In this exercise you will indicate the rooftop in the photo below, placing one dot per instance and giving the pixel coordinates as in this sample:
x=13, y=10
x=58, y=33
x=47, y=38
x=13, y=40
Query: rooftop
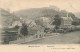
x=67, y=18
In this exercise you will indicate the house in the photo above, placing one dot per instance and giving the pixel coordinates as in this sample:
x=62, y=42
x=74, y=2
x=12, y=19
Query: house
x=66, y=22
x=15, y=23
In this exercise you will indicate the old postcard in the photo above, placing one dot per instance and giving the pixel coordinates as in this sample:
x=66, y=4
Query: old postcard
x=40, y=25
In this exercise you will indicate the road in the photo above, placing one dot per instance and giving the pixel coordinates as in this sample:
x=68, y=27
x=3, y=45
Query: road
x=69, y=38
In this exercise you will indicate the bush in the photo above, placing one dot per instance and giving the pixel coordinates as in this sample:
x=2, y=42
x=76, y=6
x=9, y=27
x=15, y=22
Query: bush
x=76, y=23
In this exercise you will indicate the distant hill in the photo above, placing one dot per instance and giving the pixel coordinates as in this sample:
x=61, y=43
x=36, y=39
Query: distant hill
x=36, y=12
x=40, y=12
x=7, y=18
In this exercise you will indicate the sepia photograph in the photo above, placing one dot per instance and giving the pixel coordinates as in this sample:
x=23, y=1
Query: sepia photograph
x=39, y=22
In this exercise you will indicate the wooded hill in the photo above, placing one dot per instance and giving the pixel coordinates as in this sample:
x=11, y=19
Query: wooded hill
x=33, y=13
x=45, y=11
x=7, y=18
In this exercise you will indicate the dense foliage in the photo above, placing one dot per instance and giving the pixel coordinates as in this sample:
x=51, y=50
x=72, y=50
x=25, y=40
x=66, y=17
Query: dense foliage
x=57, y=21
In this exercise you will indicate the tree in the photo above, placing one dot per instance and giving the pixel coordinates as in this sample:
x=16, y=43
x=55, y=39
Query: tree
x=57, y=22
x=76, y=22
x=72, y=16
x=23, y=30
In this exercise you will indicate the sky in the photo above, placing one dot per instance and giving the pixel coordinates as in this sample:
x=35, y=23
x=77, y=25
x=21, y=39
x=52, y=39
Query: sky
x=16, y=5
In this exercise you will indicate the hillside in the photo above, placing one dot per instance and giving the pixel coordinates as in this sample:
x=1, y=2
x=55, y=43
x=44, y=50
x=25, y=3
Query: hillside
x=36, y=12
x=33, y=13
x=7, y=18
x=40, y=12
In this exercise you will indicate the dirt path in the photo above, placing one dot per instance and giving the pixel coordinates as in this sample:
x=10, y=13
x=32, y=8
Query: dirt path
x=69, y=38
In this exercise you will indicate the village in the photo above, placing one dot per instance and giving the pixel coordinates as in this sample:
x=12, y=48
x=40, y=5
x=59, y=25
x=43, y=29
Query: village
x=27, y=30
x=42, y=28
